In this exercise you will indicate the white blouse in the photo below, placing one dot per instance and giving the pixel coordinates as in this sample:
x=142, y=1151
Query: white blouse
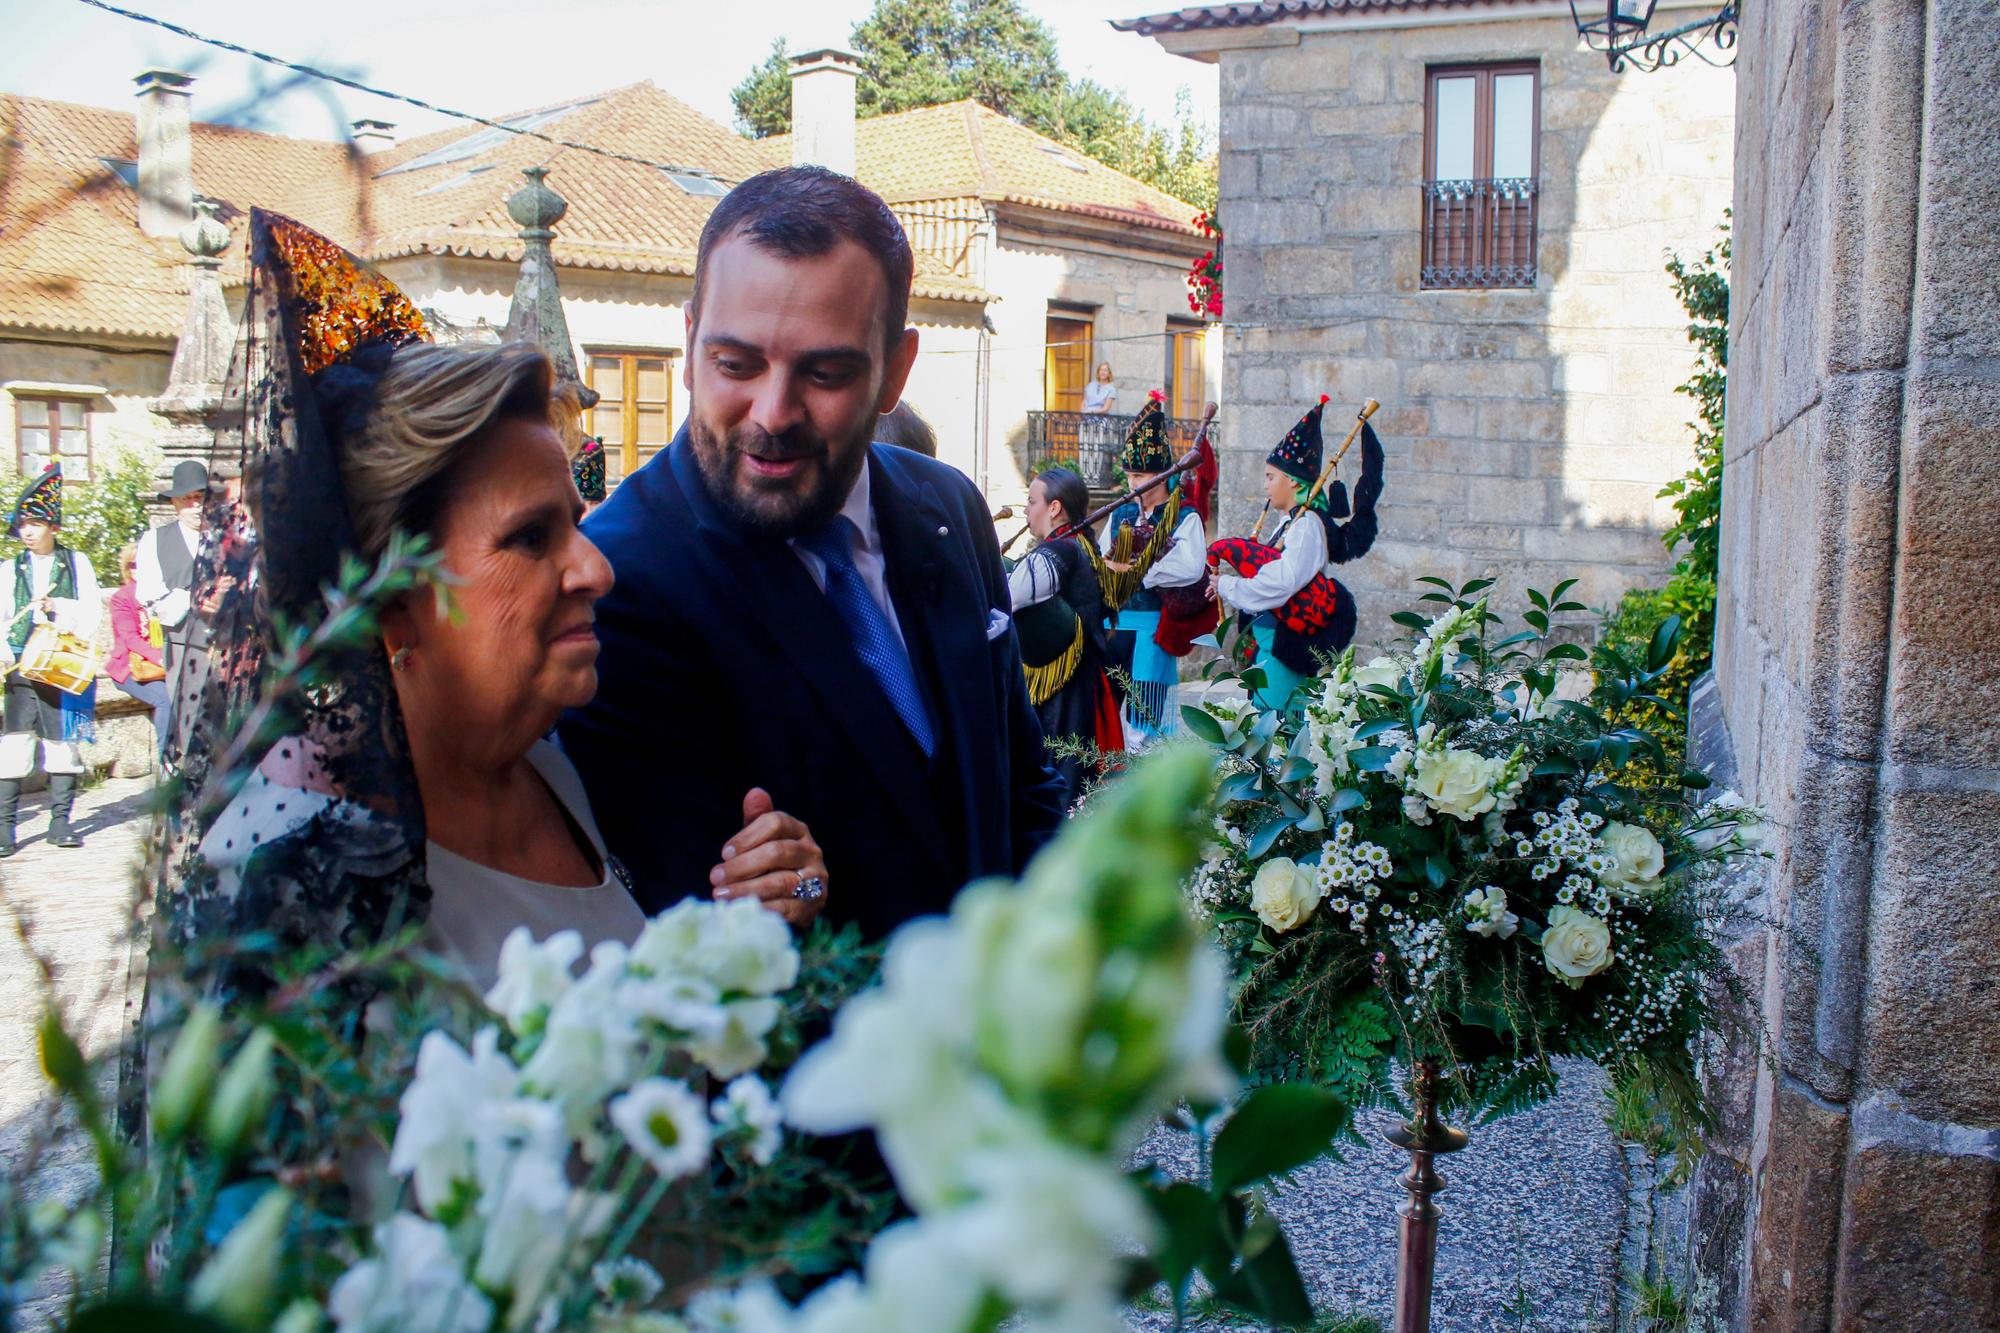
x=1302, y=554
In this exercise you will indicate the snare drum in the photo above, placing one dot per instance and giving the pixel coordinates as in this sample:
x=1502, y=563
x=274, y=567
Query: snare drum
x=52, y=657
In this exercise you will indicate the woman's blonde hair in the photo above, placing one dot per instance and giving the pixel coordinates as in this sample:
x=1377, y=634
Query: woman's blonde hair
x=433, y=406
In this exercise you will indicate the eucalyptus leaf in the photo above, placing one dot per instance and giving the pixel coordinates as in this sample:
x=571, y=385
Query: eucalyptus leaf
x=1347, y=799
x=1277, y=1129
x=1371, y=758
x=1368, y=730
x=1201, y=724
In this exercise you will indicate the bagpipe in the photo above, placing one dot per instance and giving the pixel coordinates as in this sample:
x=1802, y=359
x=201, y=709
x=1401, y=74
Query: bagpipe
x=1321, y=611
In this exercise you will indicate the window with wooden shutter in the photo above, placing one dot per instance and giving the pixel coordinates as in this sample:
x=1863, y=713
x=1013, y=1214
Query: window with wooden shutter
x=1068, y=366
x=634, y=416
x=1187, y=369
x=1482, y=163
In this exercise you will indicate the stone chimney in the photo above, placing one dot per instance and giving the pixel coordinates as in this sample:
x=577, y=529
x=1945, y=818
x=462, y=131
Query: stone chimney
x=823, y=108
x=166, y=152
x=373, y=136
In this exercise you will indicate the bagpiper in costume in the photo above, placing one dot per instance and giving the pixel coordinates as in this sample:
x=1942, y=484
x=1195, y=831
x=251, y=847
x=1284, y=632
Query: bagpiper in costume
x=1060, y=618
x=54, y=586
x=1151, y=549
x=1288, y=585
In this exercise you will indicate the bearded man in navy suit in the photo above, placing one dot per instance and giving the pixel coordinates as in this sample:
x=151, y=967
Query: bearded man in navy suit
x=805, y=620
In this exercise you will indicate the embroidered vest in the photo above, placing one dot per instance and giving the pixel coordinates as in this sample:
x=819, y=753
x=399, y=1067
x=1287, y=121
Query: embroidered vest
x=62, y=583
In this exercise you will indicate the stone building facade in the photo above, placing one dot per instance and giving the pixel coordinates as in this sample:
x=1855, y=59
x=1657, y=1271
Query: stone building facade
x=1528, y=428
x=1856, y=1183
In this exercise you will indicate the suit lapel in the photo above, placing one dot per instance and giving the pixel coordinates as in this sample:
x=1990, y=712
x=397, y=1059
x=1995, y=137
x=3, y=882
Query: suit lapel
x=794, y=617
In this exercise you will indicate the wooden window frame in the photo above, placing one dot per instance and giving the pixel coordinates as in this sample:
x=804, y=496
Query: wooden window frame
x=51, y=403
x=1177, y=400
x=1087, y=316
x=628, y=401
x=1523, y=225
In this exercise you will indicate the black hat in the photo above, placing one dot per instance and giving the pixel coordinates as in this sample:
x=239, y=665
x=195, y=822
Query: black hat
x=42, y=500
x=190, y=478
x=1146, y=439
x=1298, y=454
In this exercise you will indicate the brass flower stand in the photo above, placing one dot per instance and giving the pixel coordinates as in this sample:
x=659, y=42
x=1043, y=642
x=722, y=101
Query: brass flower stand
x=1424, y=1138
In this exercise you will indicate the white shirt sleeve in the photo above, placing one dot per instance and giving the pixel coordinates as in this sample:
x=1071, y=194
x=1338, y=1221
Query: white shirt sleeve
x=1302, y=555
x=7, y=609
x=1186, y=561
x=79, y=615
x=167, y=605
x=1034, y=580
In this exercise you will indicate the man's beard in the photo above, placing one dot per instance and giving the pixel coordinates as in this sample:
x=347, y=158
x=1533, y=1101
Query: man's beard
x=772, y=507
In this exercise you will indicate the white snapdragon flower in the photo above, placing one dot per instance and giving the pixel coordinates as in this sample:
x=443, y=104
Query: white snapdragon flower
x=1047, y=1224
x=915, y=1283
x=442, y=1109
x=664, y=1122
x=746, y=950
x=747, y=1108
x=754, y=1307
x=689, y=1008
x=530, y=1218
x=1380, y=671
x=532, y=977
x=1731, y=819
x=739, y=1047
x=1486, y=913
x=414, y=1281
x=590, y=1043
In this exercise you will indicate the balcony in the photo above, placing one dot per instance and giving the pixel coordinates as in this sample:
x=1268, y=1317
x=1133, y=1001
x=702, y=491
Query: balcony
x=1479, y=233
x=1090, y=442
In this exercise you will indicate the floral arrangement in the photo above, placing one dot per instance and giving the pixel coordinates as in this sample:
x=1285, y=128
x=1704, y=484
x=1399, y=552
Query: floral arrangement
x=604, y=1151
x=1205, y=274
x=1449, y=854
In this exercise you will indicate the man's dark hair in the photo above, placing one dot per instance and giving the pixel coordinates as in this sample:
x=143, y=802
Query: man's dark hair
x=803, y=212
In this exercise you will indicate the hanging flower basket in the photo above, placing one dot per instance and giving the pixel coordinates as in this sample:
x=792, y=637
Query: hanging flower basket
x=1205, y=274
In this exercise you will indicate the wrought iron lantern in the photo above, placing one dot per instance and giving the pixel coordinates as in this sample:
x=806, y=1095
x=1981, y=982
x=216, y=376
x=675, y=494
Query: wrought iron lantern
x=1622, y=30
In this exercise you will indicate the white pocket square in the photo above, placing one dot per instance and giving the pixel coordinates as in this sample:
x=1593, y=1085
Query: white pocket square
x=996, y=624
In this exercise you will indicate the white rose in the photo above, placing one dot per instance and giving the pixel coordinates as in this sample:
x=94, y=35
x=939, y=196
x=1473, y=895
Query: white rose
x=1381, y=671
x=1458, y=783
x=1576, y=945
x=1639, y=855
x=1486, y=913
x=1284, y=894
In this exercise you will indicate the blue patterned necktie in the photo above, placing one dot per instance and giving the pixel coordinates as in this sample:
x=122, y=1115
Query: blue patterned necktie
x=874, y=638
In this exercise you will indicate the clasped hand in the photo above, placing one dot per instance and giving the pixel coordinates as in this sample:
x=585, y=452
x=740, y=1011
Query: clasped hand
x=768, y=859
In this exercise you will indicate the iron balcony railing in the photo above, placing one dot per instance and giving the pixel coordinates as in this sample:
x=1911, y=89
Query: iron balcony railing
x=1090, y=442
x=1480, y=233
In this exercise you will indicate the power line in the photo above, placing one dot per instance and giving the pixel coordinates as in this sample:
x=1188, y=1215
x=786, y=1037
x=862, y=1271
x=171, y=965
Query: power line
x=360, y=87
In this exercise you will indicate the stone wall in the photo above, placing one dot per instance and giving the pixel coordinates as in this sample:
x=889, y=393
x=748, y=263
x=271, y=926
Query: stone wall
x=1528, y=432
x=1860, y=1165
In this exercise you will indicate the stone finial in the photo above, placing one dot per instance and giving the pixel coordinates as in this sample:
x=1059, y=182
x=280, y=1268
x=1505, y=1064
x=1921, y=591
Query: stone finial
x=536, y=314
x=206, y=237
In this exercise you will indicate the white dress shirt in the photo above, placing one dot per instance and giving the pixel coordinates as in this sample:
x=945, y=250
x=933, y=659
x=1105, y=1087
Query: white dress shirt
x=1185, y=562
x=167, y=605
x=867, y=551
x=1035, y=580
x=1302, y=554
x=76, y=615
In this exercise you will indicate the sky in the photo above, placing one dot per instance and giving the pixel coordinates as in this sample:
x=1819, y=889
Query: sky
x=495, y=56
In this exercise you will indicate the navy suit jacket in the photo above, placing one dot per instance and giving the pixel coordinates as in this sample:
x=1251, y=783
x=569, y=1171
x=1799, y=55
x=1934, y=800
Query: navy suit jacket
x=724, y=667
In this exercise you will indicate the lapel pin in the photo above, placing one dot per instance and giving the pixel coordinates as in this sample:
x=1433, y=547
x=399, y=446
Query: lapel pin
x=943, y=531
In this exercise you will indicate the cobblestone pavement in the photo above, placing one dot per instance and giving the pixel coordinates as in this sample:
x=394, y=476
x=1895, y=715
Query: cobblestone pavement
x=1534, y=1218
x=73, y=906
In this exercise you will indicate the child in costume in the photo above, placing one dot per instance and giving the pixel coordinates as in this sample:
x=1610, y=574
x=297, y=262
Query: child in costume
x=1059, y=617
x=1152, y=548
x=50, y=584
x=1299, y=610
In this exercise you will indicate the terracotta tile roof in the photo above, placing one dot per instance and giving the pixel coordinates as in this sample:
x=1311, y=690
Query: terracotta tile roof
x=1195, y=18
x=72, y=257
x=964, y=150
x=73, y=260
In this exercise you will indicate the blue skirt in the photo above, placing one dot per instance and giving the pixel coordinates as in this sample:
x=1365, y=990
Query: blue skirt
x=1149, y=705
x=1280, y=681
